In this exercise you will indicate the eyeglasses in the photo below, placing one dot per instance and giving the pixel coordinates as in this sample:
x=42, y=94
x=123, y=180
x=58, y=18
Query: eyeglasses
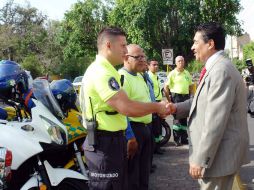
x=138, y=57
x=154, y=65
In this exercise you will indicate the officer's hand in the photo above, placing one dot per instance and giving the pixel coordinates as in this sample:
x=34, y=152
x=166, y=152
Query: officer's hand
x=163, y=110
x=132, y=147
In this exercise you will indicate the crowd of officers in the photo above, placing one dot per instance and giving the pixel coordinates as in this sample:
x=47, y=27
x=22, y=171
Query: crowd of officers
x=122, y=111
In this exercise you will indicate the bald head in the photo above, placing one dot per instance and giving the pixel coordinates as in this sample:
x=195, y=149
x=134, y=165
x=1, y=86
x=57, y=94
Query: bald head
x=135, y=59
x=133, y=48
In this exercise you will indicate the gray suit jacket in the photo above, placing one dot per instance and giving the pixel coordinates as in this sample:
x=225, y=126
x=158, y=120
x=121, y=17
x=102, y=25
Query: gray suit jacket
x=218, y=131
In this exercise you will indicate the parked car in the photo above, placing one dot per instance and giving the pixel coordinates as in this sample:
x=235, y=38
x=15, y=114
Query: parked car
x=77, y=83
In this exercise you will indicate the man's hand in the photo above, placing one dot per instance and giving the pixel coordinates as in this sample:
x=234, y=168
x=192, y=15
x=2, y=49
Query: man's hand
x=171, y=108
x=132, y=147
x=196, y=171
x=163, y=110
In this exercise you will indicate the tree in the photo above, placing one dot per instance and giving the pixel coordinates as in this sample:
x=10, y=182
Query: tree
x=156, y=24
x=26, y=36
x=78, y=35
x=29, y=63
x=248, y=51
x=25, y=30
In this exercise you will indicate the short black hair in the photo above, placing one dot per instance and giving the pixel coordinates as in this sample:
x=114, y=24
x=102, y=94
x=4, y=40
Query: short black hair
x=214, y=31
x=109, y=32
x=150, y=60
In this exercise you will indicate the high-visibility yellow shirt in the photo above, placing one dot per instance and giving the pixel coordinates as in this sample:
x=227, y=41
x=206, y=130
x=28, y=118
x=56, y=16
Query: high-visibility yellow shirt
x=156, y=86
x=100, y=82
x=135, y=87
x=179, y=82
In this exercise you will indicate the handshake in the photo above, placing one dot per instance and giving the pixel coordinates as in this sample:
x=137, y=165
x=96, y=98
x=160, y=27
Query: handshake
x=166, y=108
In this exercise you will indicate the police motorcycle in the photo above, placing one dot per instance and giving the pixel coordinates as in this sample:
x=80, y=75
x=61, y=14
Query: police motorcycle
x=248, y=76
x=35, y=137
x=65, y=94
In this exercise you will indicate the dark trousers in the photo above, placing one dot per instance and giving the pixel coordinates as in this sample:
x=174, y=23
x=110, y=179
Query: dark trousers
x=180, y=135
x=139, y=166
x=107, y=164
x=156, y=126
x=153, y=144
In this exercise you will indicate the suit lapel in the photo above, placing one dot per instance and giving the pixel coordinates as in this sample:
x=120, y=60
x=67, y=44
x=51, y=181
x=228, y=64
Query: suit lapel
x=202, y=82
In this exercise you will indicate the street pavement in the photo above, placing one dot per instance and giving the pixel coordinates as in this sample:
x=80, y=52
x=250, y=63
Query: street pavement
x=172, y=170
x=247, y=171
x=172, y=167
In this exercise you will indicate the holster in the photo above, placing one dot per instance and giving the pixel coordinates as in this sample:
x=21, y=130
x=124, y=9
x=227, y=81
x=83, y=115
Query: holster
x=91, y=132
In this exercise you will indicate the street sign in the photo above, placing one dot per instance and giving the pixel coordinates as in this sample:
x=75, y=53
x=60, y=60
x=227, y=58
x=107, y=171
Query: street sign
x=167, y=56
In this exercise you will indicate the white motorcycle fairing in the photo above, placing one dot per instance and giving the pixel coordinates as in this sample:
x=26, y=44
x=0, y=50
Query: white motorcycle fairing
x=56, y=176
x=24, y=143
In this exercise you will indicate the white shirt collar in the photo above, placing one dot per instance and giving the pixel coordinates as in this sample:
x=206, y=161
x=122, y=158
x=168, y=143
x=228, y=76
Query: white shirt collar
x=211, y=59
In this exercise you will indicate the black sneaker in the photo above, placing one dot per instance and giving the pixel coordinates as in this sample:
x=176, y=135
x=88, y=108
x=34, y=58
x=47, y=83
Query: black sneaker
x=177, y=144
x=158, y=151
x=153, y=166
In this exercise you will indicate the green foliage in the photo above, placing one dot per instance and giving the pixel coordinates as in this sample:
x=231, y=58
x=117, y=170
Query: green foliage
x=73, y=67
x=194, y=66
x=80, y=28
x=32, y=64
x=21, y=31
x=248, y=51
x=240, y=65
x=78, y=36
x=156, y=24
x=69, y=46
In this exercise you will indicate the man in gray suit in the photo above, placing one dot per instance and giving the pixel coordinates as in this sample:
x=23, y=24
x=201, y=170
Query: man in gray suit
x=218, y=132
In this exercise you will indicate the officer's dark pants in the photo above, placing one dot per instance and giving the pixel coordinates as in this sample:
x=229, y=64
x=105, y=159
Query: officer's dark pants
x=156, y=130
x=107, y=164
x=152, y=143
x=139, y=166
x=180, y=136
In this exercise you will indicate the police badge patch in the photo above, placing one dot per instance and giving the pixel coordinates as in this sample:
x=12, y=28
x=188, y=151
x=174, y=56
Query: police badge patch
x=113, y=84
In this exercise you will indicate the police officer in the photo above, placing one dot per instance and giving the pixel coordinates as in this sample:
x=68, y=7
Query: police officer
x=137, y=89
x=153, y=67
x=178, y=84
x=106, y=104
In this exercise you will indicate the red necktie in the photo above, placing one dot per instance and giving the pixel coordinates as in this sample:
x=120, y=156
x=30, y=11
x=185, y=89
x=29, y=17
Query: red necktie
x=202, y=73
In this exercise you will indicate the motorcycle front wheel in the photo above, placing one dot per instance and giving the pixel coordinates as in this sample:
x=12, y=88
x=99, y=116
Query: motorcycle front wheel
x=72, y=184
x=166, y=133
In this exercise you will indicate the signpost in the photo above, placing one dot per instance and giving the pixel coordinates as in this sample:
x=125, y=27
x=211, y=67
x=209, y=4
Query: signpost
x=167, y=56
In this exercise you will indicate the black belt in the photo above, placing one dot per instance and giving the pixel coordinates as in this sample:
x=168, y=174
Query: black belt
x=110, y=133
x=138, y=124
x=180, y=95
x=111, y=113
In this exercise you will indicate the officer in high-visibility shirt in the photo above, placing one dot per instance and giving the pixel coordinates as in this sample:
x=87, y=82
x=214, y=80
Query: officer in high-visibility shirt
x=105, y=105
x=178, y=84
x=137, y=89
x=153, y=67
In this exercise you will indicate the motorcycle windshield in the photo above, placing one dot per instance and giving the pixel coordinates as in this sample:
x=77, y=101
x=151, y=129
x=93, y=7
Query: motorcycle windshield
x=43, y=94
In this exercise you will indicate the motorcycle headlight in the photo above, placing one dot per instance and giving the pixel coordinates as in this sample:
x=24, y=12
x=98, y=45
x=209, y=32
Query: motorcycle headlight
x=56, y=133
